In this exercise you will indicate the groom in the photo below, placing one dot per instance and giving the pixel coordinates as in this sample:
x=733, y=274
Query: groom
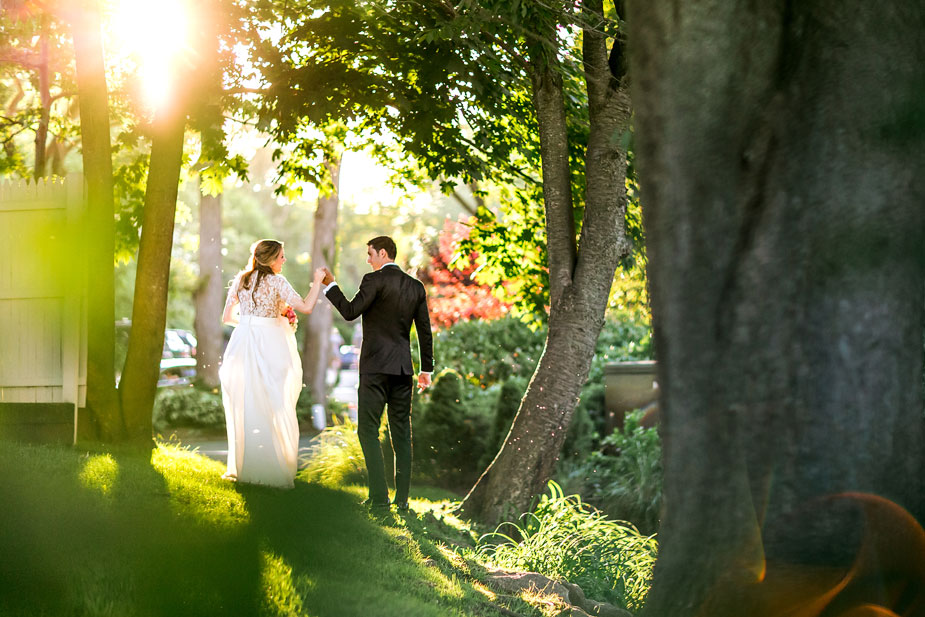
x=389, y=301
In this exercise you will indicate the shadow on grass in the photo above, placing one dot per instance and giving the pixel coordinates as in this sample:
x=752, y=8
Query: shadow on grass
x=339, y=559
x=121, y=533
x=103, y=533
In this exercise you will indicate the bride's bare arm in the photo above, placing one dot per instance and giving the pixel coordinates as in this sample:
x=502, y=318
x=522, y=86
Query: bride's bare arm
x=308, y=303
x=232, y=299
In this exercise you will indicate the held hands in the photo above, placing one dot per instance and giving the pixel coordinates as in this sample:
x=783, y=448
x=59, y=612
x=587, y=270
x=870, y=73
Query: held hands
x=328, y=277
x=423, y=381
x=319, y=275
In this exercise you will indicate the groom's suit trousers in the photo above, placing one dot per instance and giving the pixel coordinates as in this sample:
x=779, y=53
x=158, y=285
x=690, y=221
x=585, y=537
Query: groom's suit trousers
x=378, y=391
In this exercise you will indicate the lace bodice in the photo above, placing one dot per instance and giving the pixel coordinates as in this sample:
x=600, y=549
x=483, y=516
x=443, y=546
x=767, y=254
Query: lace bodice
x=268, y=300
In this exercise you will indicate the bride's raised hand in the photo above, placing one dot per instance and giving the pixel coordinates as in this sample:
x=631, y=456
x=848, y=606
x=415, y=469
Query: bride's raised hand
x=319, y=274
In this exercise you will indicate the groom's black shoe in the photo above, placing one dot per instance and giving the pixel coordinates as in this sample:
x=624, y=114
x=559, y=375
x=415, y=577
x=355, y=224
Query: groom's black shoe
x=401, y=506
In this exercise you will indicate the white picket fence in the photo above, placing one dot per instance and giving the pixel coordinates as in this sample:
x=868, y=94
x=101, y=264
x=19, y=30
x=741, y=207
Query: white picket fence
x=43, y=325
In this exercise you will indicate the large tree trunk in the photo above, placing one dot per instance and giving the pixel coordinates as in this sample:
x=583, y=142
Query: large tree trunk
x=209, y=296
x=149, y=310
x=102, y=400
x=580, y=282
x=316, y=348
x=780, y=155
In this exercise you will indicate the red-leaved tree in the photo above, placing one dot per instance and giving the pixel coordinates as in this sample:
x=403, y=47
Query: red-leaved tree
x=452, y=294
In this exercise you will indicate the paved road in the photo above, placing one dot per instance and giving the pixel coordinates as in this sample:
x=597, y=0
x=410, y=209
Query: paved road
x=218, y=449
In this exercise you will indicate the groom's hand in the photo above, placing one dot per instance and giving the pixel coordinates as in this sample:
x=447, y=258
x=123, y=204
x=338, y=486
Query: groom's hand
x=328, y=277
x=423, y=381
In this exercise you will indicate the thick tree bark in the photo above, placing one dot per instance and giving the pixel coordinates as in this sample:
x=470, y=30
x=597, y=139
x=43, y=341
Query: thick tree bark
x=209, y=294
x=580, y=286
x=149, y=310
x=780, y=154
x=316, y=347
x=102, y=399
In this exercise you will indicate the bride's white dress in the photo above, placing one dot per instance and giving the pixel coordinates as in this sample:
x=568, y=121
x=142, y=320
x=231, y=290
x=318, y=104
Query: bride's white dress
x=261, y=377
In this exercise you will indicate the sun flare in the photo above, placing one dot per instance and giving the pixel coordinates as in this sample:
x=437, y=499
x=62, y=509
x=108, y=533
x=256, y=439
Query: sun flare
x=155, y=35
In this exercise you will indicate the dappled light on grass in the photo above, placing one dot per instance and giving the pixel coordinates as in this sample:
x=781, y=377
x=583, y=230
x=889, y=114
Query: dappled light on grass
x=282, y=592
x=196, y=486
x=100, y=473
x=139, y=551
x=548, y=604
x=485, y=591
x=447, y=586
x=171, y=538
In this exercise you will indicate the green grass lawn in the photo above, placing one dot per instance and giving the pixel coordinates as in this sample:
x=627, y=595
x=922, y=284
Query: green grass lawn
x=110, y=532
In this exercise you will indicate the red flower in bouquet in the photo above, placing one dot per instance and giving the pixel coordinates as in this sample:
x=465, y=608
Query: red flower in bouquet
x=290, y=315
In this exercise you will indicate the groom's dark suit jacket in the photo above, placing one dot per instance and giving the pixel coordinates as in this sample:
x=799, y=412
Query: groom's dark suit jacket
x=389, y=301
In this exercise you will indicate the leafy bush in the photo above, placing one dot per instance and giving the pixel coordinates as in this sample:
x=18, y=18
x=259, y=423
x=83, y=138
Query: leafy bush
x=509, y=398
x=337, y=459
x=565, y=538
x=624, y=477
x=188, y=407
x=450, y=436
x=625, y=336
x=495, y=360
x=489, y=352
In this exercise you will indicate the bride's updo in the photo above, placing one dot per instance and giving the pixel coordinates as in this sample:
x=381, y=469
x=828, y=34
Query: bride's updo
x=263, y=254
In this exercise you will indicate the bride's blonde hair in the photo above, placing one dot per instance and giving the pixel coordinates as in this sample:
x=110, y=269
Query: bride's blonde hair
x=263, y=254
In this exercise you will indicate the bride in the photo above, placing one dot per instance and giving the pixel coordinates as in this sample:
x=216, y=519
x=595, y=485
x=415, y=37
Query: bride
x=261, y=373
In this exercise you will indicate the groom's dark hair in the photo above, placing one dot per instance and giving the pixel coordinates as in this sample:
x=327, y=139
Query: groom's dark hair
x=384, y=242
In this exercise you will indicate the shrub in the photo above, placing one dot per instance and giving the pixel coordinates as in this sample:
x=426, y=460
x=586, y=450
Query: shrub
x=565, y=538
x=450, y=436
x=582, y=432
x=624, y=478
x=489, y=352
x=625, y=336
x=509, y=398
x=337, y=459
x=188, y=407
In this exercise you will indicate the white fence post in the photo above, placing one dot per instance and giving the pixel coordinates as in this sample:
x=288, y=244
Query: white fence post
x=43, y=341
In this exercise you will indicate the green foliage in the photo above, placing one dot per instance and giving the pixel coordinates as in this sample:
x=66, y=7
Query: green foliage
x=512, y=392
x=188, y=407
x=453, y=86
x=624, y=477
x=488, y=352
x=450, y=436
x=337, y=459
x=582, y=430
x=564, y=537
x=496, y=360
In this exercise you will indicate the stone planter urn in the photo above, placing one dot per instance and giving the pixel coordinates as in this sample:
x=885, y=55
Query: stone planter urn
x=628, y=386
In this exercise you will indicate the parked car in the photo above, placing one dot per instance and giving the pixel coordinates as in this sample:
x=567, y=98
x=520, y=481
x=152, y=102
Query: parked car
x=178, y=357
x=178, y=361
x=349, y=356
x=179, y=344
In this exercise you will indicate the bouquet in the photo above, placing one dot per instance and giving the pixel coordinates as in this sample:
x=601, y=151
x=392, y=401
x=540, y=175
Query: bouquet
x=290, y=315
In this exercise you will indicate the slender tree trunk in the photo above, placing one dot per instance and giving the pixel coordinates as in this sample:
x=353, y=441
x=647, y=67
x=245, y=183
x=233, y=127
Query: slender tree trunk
x=780, y=150
x=102, y=401
x=580, y=283
x=149, y=310
x=557, y=179
x=316, y=349
x=41, y=133
x=209, y=296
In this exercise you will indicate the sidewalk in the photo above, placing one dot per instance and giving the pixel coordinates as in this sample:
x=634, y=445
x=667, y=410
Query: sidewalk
x=218, y=449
